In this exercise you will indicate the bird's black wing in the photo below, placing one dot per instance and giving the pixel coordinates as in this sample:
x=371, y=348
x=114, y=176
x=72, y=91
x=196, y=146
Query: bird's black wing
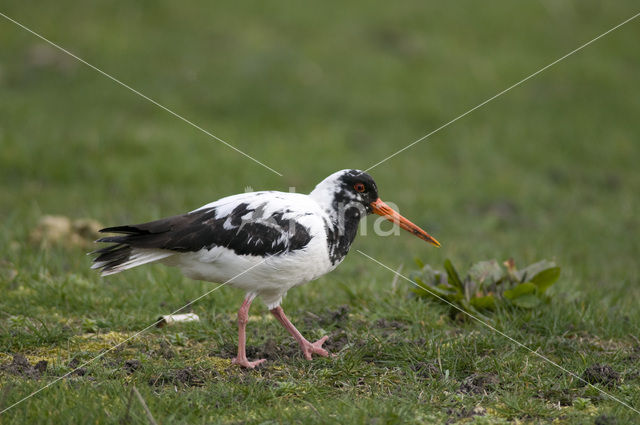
x=245, y=229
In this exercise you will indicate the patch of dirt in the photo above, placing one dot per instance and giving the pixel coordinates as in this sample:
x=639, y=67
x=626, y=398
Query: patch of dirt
x=80, y=372
x=337, y=341
x=457, y=415
x=601, y=374
x=73, y=364
x=272, y=350
x=426, y=370
x=164, y=350
x=390, y=324
x=131, y=365
x=605, y=420
x=563, y=397
x=289, y=348
x=269, y=350
x=337, y=317
x=479, y=383
x=188, y=376
x=20, y=366
x=390, y=328
x=632, y=375
x=635, y=351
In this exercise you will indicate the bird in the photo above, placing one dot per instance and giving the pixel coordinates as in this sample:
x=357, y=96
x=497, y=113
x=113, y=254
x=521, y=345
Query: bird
x=264, y=243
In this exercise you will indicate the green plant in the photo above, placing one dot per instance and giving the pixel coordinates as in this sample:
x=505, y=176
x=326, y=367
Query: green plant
x=487, y=284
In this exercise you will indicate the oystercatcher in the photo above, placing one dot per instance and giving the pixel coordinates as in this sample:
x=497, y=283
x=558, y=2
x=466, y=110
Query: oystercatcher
x=262, y=242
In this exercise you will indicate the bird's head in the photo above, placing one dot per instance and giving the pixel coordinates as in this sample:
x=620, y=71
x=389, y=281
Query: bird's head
x=354, y=193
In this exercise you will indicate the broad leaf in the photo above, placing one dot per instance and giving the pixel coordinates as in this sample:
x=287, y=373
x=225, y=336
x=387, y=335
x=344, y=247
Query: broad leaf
x=546, y=278
x=488, y=302
x=527, y=301
x=489, y=271
x=527, y=274
x=520, y=290
x=454, y=278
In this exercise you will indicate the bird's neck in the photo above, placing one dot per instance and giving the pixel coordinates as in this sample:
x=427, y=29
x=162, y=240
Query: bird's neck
x=341, y=222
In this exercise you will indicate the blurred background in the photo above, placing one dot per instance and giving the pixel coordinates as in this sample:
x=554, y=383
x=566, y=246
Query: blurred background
x=549, y=170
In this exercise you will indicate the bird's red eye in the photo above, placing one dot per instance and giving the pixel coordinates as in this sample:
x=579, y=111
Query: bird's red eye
x=359, y=187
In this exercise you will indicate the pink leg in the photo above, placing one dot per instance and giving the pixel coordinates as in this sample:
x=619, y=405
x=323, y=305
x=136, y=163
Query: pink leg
x=243, y=318
x=308, y=348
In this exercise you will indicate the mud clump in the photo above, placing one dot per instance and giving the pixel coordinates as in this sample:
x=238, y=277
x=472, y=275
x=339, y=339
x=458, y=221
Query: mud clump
x=390, y=324
x=605, y=420
x=390, y=328
x=601, y=374
x=479, y=383
x=165, y=351
x=188, y=376
x=272, y=350
x=457, y=415
x=564, y=397
x=337, y=317
x=20, y=366
x=73, y=364
x=131, y=365
x=426, y=370
x=336, y=342
x=340, y=314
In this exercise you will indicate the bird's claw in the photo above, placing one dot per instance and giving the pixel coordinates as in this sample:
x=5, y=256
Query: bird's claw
x=315, y=348
x=246, y=363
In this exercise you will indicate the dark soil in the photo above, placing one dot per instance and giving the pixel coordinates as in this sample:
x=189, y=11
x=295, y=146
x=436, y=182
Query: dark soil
x=165, y=351
x=271, y=350
x=426, y=370
x=73, y=364
x=605, y=420
x=564, y=397
x=131, y=365
x=457, y=414
x=479, y=383
x=601, y=374
x=336, y=317
x=390, y=328
x=188, y=376
x=20, y=366
x=337, y=341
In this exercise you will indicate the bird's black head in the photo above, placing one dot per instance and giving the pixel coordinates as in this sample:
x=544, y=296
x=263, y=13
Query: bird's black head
x=347, y=190
x=355, y=186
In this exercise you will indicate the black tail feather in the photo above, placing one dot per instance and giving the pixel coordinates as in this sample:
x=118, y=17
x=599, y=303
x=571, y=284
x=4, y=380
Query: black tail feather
x=127, y=230
x=111, y=256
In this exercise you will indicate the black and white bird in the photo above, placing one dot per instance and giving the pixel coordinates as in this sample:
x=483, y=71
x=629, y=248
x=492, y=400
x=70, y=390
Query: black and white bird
x=264, y=243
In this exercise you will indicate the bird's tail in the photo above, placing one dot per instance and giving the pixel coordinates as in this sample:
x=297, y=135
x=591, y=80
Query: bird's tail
x=123, y=254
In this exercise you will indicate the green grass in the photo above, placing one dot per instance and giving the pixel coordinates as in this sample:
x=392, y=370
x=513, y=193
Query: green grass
x=549, y=170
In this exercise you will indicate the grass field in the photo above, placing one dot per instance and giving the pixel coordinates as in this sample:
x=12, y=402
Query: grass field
x=549, y=170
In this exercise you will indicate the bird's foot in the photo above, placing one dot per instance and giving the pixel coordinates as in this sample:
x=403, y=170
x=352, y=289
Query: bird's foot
x=246, y=363
x=309, y=348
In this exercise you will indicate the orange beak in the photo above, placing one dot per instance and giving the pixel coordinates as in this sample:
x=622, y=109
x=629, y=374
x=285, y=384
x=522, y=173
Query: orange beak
x=387, y=212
